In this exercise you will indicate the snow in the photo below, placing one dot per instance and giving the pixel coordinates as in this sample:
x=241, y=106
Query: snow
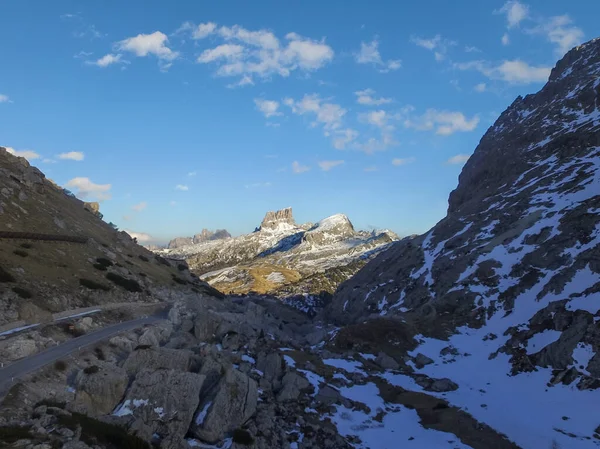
x=126, y=407
x=347, y=365
x=398, y=421
x=247, y=358
x=532, y=410
x=160, y=412
x=276, y=277
x=540, y=340
x=201, y=416
x=582, y=354
x=314, y=379
x=18, y=329
x=225, y=444
x=289, y=361
x=331, y=222
x=368, y=356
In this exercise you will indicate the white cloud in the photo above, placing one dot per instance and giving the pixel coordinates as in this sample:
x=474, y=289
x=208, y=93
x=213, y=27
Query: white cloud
x=140, y=207
x=204, y=30
x=172, y=203
x=443, y=122
x=437, y=44
x=329, y=115
x=87, y=189
x=249, y=54
x=192, y=173
x=370, y=169
x=258, y=185
x=182, y=187
x=481, y=87
x=369, y=54
x=246, y=80
x=48, y=161
x=148, y=44
x=365, y=97
x=472, y=49
x=27, y=154
x=107, y=60
x=299, y=168
x=514, y=72
x=405, y=161
x=268, y=107
x=225, y=51
x=140, y=236
x=505, y=39
x=458, y=159
x=344, y=137
x=4, y=98
x=72, y=155
x=561, y=32
x=328, y=165
x=515, y=12
x=83, y=54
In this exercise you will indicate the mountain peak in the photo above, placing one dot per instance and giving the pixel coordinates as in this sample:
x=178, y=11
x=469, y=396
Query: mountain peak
x=273, y=220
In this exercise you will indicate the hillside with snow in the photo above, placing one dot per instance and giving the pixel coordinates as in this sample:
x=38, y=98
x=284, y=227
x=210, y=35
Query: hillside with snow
x=503, y=294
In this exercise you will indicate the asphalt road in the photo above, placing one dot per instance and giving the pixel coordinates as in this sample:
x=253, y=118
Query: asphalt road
x=10, y=374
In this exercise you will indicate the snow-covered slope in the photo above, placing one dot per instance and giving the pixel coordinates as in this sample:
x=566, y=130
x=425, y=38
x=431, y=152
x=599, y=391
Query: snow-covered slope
x=504, y=293
x=282, y=257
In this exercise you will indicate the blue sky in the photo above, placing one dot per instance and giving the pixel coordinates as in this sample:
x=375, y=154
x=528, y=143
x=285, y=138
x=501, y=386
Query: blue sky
x=180, y=116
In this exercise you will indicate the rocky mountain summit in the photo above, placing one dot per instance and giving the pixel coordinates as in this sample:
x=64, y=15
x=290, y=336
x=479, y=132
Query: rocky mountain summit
x=275, y=219
x=204, y=236
x=505, y=290
x=283, y=258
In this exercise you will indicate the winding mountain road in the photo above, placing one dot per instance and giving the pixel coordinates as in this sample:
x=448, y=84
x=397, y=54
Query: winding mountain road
x=10, y=374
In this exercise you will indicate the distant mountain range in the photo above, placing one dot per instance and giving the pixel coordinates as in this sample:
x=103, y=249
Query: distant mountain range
x=281, y=257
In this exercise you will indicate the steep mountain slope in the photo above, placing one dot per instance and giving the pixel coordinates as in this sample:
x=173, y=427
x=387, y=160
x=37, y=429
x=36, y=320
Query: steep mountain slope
x=504, y=293
x=282, y=257
x=87, y=263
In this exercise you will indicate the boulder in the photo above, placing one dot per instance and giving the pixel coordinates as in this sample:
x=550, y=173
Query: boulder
x=386, y=362
x=206, y=324
x=272, y=367
x=157, y=334
x=329, y=395
x=84, y=325
x=232, y=403
x=422, y=360
x=157, y=358
x=122, y=343
x=100, y=391
x=293, y=384
x=93, y=207
x=165, y=400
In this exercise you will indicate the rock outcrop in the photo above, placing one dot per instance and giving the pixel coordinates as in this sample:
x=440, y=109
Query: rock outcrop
x=100, y=388
x=275, y=219
x=232, y=404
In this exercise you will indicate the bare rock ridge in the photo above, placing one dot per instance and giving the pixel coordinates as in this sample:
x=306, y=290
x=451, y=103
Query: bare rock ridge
x=274, y=219
x=204, y=236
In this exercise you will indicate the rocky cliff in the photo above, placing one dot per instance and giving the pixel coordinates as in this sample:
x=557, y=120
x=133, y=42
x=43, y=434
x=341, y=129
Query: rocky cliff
x=273, y=220
x=504, y=292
